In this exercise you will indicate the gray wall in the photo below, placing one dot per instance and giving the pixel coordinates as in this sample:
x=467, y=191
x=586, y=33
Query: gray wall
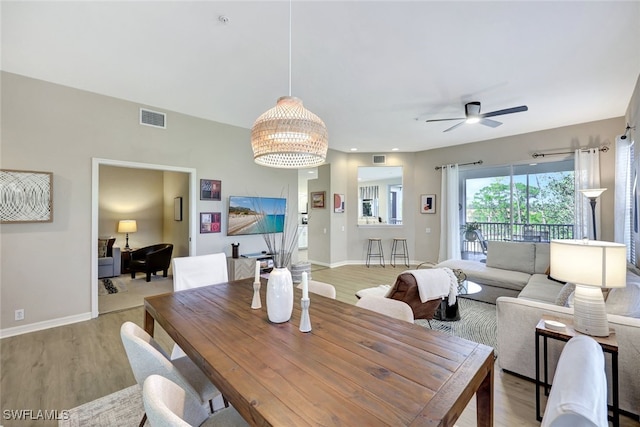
x=47, y=127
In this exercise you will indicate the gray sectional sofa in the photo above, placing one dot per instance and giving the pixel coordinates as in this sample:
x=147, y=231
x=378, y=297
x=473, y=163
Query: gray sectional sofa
x=523, y=268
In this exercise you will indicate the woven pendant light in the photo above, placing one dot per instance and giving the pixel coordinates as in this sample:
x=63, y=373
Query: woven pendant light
x=289, y=135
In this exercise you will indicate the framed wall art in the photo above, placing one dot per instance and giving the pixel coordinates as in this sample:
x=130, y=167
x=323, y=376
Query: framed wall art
x=428, y=203
x=210, y=222
x=177, y=209
x=27, y=196
x=210, y=189
x=317, y=199
x=338, y=203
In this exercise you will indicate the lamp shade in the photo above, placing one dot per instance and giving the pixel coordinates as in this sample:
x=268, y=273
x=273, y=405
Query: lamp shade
x=592, y=193
x=589, y=262
x=289, y=136
x=127, y=226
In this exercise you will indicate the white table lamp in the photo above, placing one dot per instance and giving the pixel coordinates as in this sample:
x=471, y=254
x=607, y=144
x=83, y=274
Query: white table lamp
x=591, y=265
x=127, y=226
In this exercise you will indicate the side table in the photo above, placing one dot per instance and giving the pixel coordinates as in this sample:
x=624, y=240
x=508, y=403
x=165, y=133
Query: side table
x=609, y=345
x=125, y=258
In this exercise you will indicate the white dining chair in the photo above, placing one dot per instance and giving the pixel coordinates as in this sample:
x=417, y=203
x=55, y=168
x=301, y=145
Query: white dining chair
x=146, y=357
x=196, y=271
x=387, y=306
x=200, y=270
x=169, y=405
x=321, y=288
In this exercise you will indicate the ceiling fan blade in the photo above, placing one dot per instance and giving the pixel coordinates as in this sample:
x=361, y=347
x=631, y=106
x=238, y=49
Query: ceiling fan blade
x=490, y=123
x=505, y=111
x=442, y=120
x=453, y=127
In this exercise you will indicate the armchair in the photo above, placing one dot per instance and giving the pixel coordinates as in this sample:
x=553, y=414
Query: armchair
x=151, y=259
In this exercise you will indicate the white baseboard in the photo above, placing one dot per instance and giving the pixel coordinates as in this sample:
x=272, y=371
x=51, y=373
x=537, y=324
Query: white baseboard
x=38, y=326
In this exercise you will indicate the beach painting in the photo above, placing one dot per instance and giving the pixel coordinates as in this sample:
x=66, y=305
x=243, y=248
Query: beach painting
x=256, y=215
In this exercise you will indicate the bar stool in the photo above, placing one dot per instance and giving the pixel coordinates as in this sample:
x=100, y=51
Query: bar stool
x=375, y=243
x=398, y=244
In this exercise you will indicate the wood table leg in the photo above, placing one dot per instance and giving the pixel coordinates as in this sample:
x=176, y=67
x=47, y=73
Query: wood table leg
x=484, y=400
x=149, y=323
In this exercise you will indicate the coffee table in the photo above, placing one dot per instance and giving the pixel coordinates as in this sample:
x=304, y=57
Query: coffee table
x=468, y=288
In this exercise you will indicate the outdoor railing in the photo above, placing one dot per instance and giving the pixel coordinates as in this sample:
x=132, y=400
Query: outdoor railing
x=525, y=232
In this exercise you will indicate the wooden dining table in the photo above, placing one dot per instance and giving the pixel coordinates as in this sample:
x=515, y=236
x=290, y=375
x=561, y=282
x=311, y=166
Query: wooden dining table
x=355, y=367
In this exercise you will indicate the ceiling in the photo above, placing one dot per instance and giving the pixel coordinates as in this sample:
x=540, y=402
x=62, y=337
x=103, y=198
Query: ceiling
x=373, y=71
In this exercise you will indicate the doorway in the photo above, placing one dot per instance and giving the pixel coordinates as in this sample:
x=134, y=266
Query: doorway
x=95, y=211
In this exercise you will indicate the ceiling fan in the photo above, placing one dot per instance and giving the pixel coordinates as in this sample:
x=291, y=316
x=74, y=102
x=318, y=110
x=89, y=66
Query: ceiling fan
x=472, y=115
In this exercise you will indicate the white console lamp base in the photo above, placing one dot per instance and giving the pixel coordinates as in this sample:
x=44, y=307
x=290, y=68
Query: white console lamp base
x=589, y=311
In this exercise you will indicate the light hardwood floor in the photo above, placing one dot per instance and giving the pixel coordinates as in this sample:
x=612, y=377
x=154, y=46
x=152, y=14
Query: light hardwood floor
x=63, y=367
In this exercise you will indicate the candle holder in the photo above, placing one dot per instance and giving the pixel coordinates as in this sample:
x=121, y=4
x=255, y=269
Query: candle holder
x=256, y=303
x=305, y=321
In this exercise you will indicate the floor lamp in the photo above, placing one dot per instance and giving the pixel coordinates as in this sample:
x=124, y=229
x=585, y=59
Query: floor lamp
x=592, y=194
x=591, y=265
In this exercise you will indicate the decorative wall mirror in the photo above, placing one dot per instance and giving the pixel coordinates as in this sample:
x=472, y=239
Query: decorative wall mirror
x=379, y=195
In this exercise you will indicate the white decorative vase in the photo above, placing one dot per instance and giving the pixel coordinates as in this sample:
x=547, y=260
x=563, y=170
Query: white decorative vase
x=279, y=295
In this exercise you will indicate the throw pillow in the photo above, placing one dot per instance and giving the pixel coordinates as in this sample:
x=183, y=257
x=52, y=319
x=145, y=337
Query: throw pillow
x=624, y=301
x=563, y=296
x=103, y=245
x=511, y=256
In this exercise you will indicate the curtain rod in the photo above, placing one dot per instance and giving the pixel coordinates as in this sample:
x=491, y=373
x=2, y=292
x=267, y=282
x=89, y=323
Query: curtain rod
x=604, y=149
x=479, y=162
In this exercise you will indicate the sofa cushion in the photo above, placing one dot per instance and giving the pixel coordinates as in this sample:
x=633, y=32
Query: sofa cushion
x=479, y=272
x=541, y=289
x=517, y=256
x=542, y=258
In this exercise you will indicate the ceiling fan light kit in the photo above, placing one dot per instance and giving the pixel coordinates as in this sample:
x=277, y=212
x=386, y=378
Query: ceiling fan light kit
x=472, y=115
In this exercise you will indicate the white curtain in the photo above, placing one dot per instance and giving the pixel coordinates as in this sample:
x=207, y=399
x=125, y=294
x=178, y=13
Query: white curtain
x=587, y=175
x=625, y=182
x=449, y=214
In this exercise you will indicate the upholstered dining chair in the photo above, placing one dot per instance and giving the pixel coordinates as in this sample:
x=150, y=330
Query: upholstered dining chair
x=321, y=288
x=387, y=306
x=146, y=357
x=201, y=270
x=169, y=405
x=196, y=271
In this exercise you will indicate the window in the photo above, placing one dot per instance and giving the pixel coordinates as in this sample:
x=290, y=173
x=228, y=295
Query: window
x=520, y=202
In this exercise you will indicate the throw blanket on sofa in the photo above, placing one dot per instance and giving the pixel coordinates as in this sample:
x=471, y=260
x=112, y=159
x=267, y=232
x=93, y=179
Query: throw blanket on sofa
x=436, y=283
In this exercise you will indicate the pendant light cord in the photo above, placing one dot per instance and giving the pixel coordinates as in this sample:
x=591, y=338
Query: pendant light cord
x=290, y=9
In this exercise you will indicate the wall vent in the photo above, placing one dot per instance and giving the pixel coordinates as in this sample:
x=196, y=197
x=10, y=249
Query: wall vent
x=153, y=118
x=379, y=159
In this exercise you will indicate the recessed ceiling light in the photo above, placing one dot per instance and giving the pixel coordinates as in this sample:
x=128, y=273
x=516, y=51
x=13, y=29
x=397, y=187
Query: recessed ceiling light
x=395, y=149
x=354, y=149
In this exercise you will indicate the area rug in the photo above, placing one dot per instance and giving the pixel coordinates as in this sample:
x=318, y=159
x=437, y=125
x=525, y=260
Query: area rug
x=123, y=408
x=111, y=285
x=477, y=323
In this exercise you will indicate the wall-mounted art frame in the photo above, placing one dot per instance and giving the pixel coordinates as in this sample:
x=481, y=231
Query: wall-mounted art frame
x=317, y=199
x=338, y=203
x=428, y=203
x=27, y=196
x=177, y=209
x=210, y=222
x=210, y=189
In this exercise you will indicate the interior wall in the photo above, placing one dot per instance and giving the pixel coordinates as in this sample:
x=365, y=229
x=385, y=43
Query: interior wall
x=176, y=184
x=516, y=150
x=319, y=219
x=49, y=127
x=129, y=193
